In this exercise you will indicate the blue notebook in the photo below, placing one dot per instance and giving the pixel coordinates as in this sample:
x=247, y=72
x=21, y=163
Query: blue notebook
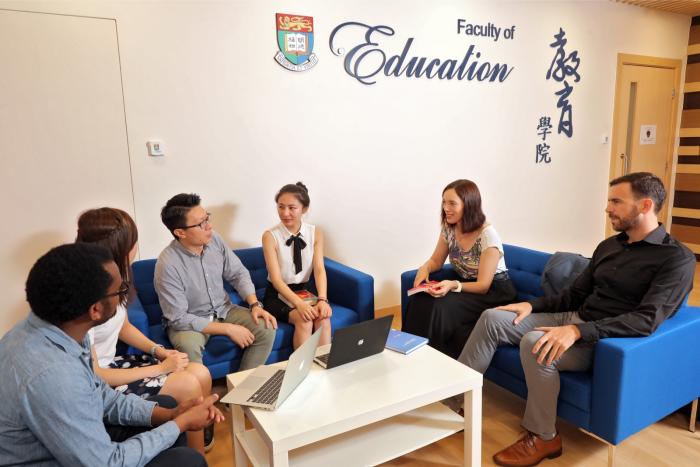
x=404, y=342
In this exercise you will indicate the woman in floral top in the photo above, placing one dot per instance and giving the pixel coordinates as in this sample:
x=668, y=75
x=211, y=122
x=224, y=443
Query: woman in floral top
x=447, y=313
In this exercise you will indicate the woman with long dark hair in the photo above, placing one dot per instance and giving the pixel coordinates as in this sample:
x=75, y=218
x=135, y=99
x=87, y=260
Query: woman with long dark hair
x=158, y=370
x=447, y=313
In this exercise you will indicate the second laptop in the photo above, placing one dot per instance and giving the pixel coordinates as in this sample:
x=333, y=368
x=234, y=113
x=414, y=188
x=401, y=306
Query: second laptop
x=355, y=342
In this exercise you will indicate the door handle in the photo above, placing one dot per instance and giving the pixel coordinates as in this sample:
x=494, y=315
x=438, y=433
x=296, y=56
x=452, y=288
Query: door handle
x=625, y=163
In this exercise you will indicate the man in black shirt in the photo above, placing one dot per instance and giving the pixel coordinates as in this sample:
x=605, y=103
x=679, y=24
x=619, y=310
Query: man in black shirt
x=634, y=281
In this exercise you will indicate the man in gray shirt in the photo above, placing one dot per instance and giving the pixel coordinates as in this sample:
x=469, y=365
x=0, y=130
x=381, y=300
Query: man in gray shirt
x=189, y=282
x=54, y=407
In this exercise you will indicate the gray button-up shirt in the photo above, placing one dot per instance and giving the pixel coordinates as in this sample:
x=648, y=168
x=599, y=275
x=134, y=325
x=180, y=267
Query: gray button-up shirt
x=190, y=287
x=53, y=405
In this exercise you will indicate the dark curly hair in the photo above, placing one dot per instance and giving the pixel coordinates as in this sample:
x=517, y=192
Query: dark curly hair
x=174, y=213
x=113, y=229
x=65, y=282
x=297, y=189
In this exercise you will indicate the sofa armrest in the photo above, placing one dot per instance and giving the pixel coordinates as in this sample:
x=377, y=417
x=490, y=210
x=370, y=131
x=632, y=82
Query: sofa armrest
x=407, y=278
x=350, y=288
x=637, y=381
x=139, y=319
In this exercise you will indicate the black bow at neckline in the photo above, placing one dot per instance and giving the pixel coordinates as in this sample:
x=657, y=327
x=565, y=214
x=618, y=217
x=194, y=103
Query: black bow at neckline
x=298, y=245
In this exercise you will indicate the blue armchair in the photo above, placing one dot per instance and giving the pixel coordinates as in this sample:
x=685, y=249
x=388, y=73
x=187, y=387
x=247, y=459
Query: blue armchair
x=634, y=382
x=351, y=295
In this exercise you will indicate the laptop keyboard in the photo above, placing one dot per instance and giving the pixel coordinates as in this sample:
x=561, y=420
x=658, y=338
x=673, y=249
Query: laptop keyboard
x=268, y=392
x=323, y=358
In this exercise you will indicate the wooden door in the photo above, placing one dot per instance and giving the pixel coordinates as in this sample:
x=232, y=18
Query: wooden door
x=646, y=104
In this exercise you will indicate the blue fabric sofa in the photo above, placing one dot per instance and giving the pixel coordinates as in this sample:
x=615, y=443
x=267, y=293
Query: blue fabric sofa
x=351, y=295
x=634, y=381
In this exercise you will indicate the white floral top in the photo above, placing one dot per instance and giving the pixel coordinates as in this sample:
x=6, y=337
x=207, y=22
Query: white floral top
x=466, y=263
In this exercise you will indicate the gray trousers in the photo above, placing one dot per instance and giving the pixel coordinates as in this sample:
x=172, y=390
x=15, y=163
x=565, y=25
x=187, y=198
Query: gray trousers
x=192, y=342
x=495, y=327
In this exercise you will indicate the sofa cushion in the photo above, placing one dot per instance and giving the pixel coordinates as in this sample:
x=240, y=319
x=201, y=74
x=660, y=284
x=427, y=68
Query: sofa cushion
x=143, y=281
x=154, y=313
x=525, y=268
x=254, y=260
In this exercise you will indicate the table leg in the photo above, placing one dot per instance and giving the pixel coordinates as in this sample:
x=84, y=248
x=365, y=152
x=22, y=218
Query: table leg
x=238, y=426
x=279, y=459
x=472, y=427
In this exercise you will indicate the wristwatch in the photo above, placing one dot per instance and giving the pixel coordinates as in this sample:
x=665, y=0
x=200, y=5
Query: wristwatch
x=254, y=304
x=459, y=287
x=154, y=349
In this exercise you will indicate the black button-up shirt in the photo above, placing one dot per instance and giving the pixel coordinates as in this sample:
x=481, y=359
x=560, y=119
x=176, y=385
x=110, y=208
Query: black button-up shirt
x=628, y=289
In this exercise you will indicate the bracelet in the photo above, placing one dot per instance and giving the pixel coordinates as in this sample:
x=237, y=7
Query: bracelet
x=154, y=349
x=254, y=304
x=322, y=299
x=459, y=287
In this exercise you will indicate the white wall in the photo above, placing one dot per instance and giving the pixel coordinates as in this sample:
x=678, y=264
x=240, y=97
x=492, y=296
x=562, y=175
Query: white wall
x=201, y=77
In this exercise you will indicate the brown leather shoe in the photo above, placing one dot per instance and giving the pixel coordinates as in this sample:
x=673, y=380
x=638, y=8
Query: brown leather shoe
x=528, y=451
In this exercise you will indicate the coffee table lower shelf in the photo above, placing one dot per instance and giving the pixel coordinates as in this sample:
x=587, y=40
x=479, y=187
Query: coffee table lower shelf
x=368, y=445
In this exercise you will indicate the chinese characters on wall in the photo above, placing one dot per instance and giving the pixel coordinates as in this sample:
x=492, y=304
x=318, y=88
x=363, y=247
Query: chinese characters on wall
x=563, y=70
x=542, y=150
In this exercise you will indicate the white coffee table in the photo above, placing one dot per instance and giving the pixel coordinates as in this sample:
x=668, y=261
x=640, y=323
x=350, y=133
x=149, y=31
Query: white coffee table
x=363, y=413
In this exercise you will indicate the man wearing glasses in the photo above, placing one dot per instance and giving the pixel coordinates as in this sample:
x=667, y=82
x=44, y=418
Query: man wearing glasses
x=55, y=410
x=189, y=279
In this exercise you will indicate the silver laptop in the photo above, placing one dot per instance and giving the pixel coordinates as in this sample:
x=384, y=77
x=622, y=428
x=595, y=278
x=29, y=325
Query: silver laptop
x=267, y=387
x=355, y=342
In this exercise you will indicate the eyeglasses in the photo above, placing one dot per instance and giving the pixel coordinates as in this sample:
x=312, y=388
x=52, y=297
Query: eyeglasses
x=122, y=292
x=201, y=225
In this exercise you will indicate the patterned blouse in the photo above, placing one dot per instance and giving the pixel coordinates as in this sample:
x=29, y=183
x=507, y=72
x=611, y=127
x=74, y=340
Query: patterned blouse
x=466, y=263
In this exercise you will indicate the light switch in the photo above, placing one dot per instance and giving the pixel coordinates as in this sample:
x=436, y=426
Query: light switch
x=155, y=148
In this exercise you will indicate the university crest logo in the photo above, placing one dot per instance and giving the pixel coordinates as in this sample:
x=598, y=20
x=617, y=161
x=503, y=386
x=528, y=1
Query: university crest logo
x=295, y=37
